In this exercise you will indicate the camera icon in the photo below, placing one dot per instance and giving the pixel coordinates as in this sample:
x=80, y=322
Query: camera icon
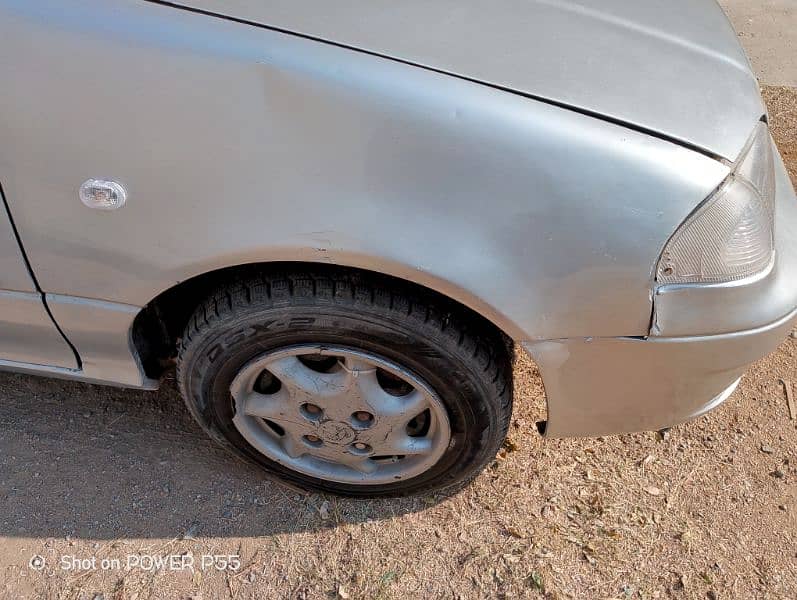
x=36, y=562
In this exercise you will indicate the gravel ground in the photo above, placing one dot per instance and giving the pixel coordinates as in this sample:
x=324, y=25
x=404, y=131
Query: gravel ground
x=707, y=511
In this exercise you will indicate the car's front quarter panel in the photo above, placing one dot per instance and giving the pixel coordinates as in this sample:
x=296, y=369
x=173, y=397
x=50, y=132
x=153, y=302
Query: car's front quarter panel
x=703, y=338
x=241, y=145
x=754, y=302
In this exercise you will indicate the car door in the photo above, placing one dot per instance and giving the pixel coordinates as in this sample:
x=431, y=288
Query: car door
x=27, y=333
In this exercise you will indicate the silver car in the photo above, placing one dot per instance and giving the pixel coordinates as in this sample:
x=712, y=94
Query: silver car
x=339, y=219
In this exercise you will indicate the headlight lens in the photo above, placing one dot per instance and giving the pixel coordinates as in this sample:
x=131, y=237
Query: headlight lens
x=731, y=235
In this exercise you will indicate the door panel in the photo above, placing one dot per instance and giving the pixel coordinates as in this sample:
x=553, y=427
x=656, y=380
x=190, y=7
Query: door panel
x=14, y=273
x=27, y=333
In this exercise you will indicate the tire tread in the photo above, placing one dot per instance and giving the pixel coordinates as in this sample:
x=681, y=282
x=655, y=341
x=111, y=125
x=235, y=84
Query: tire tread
x=472, y=337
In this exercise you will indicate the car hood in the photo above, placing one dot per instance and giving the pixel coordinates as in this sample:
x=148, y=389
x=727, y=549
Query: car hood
x=670, y=67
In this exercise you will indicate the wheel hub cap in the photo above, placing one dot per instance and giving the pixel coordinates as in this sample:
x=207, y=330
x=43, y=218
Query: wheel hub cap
x=335, y=432
x=340, y=415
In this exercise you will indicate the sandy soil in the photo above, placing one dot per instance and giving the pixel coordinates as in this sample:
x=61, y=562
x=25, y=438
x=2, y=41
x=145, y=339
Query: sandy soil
x=708, y=511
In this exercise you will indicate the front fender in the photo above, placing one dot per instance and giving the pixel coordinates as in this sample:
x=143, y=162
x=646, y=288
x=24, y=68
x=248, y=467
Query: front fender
x=239, y=144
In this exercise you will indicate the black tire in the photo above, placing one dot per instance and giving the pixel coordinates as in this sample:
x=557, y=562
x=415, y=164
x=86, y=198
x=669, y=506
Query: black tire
x=456, y=352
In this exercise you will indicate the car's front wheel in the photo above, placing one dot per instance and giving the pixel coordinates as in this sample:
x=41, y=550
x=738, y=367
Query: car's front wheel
x=348, y=383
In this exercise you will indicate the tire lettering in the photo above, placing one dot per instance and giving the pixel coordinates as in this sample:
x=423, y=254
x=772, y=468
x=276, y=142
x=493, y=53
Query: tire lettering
x=300, y=321
x=265, y=326
x=214, y=352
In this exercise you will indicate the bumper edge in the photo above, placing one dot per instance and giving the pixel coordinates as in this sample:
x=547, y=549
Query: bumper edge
x=605, y=386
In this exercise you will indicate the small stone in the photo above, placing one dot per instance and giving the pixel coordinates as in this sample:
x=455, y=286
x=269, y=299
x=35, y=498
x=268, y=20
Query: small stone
x=515, y=532
x=793, y=334
x=653, y=490
x=711, y=595
x=782, y=507
x=324, y=510
x=778, y=474
x=510, y=445
x=767, y=449
x=252, y=576
x=686, y=537
x=191, y=532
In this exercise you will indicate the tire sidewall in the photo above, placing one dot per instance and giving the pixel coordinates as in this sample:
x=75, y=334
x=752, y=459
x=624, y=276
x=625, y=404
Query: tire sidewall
x=217, y=355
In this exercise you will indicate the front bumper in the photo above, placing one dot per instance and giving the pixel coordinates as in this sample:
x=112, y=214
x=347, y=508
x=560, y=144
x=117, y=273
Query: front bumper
x=603, y=386
x=703, y=338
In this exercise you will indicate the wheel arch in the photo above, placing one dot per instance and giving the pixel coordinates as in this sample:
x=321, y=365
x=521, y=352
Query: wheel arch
x=157, y=328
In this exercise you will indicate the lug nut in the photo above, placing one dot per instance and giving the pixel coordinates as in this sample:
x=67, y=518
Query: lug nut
x=312, y=409
x=360, y=449
x=314, y=439
x=363, y=416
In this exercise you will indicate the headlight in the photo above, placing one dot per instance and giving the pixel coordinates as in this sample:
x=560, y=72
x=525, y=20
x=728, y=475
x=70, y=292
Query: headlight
x=731, y=235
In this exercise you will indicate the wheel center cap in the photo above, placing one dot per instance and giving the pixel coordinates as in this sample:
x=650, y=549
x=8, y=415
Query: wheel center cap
x=336, y=432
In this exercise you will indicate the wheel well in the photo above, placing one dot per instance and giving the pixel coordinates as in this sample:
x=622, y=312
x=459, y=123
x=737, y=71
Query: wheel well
x=159, y=325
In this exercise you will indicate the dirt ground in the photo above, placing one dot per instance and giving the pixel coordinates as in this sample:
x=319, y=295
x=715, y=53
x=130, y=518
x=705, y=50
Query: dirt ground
x=708, y=511
x=766, y=30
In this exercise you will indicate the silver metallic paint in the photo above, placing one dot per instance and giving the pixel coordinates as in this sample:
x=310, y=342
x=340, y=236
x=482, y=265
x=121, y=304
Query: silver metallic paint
x=665, y=65
x=339, y=395
x=703, y=339
x=240, y=144
x=601, y=386
x=71, y=374
x=14, y=274
x=101, y=333
x=692, y=309
x=27, y=333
